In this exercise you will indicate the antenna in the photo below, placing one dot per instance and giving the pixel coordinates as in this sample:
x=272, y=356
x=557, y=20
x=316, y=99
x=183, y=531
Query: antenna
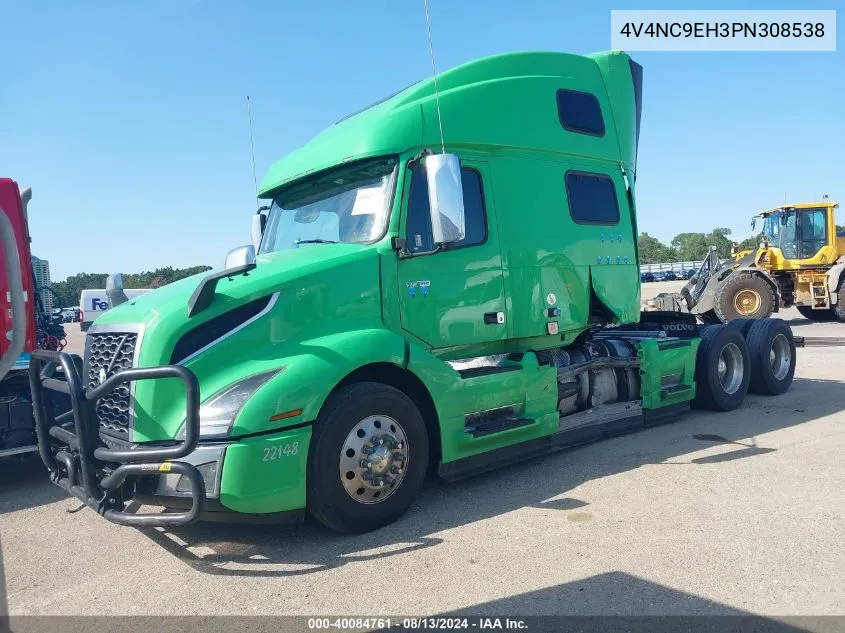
x=434, y=71
x=251, y=145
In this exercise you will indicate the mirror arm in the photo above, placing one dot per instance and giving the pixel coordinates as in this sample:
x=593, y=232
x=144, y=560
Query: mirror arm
x=400, y=245
x=416, y=159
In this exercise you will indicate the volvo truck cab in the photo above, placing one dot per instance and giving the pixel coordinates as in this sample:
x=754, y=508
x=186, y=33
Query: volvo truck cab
x=411, y=304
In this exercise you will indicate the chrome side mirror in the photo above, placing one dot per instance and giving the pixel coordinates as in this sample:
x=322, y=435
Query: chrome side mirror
x=445, y=198
x=240, y=256
x=259, y=222
x=114, y=290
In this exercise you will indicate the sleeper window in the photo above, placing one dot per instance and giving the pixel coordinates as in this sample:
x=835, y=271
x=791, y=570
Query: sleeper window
x=580, y=112
x=592, y=198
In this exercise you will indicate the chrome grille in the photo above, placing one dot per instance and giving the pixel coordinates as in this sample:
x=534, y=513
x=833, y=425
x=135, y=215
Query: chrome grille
x=111, y=352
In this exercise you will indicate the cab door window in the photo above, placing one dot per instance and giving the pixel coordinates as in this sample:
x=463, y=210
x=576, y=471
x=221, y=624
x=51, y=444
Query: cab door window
x=813, y=232
x=418, y=234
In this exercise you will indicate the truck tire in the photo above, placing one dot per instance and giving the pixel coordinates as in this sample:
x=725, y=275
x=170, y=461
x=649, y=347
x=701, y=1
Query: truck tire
x=721, y=369
x=367, y=459
x=772, y=351
x=743, y=325
x=744, y=295
x=816, y=315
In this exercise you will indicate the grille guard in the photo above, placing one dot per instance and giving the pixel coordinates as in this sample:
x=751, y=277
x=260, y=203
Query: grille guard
x=79, y=461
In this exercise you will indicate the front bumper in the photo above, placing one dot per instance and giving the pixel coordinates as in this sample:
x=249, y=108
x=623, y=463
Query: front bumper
x=101, y=476
x=253, y=478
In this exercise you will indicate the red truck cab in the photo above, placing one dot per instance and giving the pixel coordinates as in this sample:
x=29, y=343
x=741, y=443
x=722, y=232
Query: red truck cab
x=16, y=424
x=14, y=206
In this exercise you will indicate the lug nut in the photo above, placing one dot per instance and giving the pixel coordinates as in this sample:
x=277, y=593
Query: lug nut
x=367, y=450
x=378, y=482
x=364, y=463
x=397, y=445
x=399, y=457
x=396, y=470
x=380, y=441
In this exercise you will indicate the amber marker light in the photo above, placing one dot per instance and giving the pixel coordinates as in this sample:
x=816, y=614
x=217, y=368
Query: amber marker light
x=285, y=415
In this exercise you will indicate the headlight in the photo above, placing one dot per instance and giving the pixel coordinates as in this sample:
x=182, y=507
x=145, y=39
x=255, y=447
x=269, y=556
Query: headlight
x=219, y=412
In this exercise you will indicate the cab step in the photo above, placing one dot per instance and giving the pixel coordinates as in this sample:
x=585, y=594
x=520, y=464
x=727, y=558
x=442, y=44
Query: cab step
x=495, y=420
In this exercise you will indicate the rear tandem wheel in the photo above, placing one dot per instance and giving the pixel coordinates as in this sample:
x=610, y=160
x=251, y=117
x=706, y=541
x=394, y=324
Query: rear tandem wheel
x=722, y=368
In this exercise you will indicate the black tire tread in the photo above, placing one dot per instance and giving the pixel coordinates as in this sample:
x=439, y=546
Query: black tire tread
x=838, y=309
x=815, y=315
x=723, y=304
x=705, y=396
x=760, y=338
x=322, y=508
x=743, y=325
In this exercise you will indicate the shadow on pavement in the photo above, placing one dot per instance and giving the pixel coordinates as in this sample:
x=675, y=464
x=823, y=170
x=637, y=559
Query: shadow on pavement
x=617, y=601
x=262, y=550
x=24, y=483
x=610, y=594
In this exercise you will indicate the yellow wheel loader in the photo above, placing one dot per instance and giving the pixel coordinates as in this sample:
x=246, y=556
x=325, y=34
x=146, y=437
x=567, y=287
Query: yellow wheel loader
x=799, y=262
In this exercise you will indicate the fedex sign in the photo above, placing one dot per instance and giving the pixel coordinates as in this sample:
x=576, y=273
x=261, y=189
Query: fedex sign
x=96, y=301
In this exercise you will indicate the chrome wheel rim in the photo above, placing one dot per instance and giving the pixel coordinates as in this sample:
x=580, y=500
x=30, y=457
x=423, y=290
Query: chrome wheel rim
x=373, y=459
x=730, y=368
x=780, y=357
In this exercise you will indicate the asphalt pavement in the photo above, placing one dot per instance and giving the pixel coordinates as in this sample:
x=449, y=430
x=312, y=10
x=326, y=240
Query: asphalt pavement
x=729, y=513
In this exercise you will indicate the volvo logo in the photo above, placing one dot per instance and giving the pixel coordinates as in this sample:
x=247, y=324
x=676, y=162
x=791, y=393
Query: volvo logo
x=102, y=376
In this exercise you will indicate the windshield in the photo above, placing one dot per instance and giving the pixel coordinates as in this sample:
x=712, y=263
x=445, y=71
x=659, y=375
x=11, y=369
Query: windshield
x=779, y=229
x=349, y=204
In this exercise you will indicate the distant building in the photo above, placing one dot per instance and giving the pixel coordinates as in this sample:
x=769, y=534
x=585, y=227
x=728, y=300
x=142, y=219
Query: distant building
x=41, y=270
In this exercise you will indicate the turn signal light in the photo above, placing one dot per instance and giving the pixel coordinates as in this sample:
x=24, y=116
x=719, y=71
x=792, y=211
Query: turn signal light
x=286, y=414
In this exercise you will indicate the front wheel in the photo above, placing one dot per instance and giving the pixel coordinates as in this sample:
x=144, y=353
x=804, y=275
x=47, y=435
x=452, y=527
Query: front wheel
x=744, y=295
x=368, y=458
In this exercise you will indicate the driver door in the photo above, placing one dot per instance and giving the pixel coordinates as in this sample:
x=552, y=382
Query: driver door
x=454, y=295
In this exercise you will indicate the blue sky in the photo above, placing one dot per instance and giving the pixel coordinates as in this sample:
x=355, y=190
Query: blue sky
x=129, y=119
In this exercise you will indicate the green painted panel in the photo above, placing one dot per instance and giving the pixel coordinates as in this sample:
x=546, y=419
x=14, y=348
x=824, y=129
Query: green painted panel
x=549, y=256
x=534, y=388
x=266, y=474
x=443, y=296
x=667, y=371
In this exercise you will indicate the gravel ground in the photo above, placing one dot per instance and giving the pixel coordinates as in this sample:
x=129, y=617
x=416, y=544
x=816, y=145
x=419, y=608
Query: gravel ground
x=741, y=512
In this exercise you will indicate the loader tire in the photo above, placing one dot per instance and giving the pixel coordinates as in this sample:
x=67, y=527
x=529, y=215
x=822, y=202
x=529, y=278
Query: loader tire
x=772, y=351
x=744, y=295
x=838, y=309
x=816, y=315
x=722, y=369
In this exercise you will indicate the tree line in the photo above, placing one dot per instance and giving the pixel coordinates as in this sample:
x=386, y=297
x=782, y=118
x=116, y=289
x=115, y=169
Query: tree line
x=686, y=247
x=66, y=293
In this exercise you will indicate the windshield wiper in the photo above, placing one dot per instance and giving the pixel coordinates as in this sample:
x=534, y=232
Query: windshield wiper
x=315, y=241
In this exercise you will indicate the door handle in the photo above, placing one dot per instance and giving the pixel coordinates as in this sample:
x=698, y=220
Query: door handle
x=494, y=318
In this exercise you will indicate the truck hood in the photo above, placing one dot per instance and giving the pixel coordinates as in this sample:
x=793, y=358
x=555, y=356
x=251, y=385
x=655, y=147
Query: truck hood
x=170, y=303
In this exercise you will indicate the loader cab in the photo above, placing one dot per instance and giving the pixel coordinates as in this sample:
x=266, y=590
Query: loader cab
x=805, y=232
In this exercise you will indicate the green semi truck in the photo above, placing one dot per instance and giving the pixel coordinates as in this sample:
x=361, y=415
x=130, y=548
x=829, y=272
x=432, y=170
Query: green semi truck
x=415, y=302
